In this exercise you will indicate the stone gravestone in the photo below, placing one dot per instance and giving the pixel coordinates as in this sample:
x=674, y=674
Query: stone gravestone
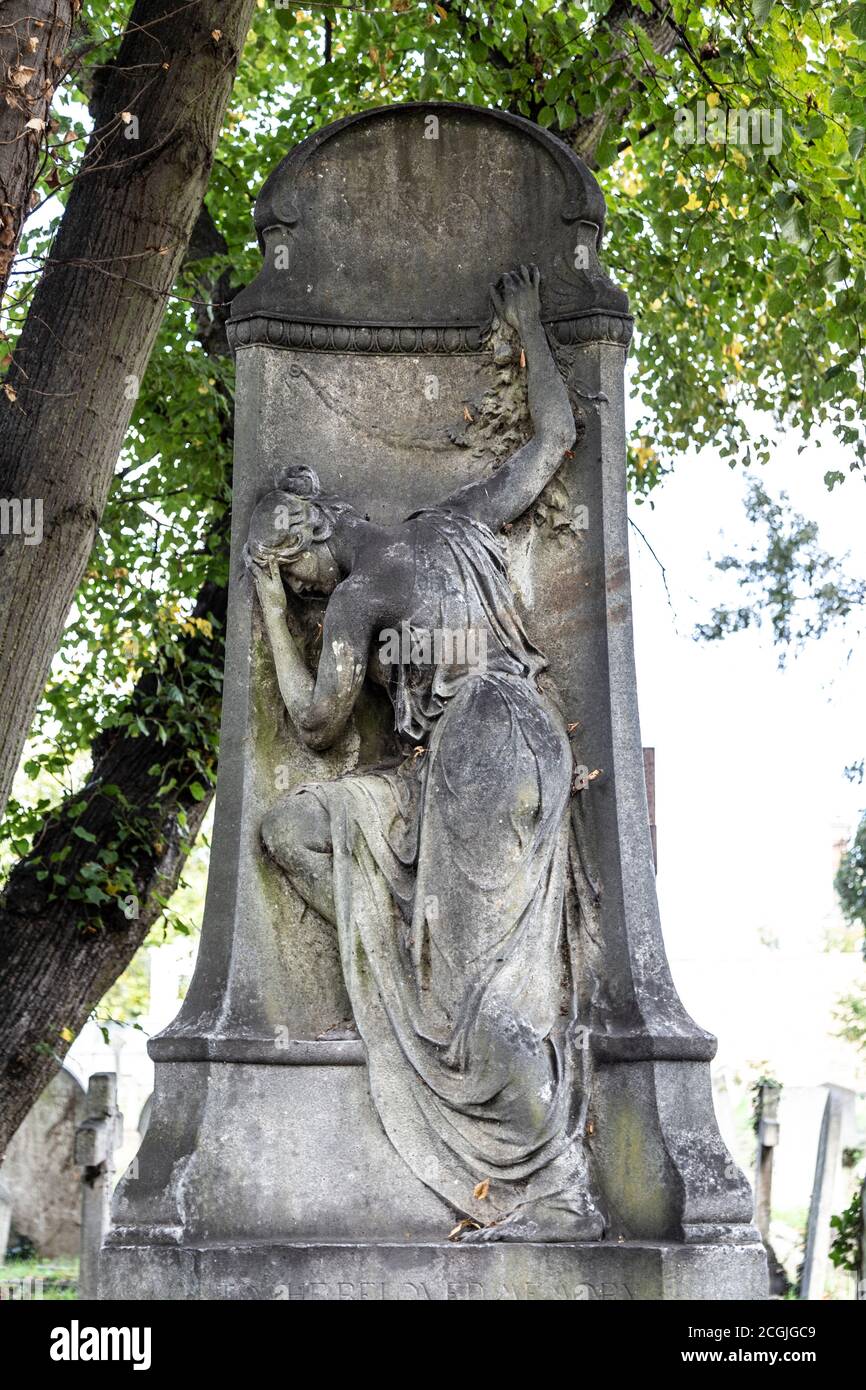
x=768, y=1138
x=39, y=1170
x=837, y=1119
x=5, y=1218
x=432, y=998
x=95, y=1142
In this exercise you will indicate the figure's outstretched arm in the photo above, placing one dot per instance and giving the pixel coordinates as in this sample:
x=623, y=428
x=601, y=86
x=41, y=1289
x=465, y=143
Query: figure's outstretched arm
x=318, y=707
x=515, y=486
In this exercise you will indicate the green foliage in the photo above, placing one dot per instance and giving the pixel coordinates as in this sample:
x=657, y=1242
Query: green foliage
x=746, y=268
x=850, y=1011
x=850, y=1014
x=786, y=575
x=846, y=1251
x=756, y=1090
x=851, y=879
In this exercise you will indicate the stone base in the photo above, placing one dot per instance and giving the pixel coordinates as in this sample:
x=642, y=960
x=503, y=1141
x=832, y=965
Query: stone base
x=434, y=1271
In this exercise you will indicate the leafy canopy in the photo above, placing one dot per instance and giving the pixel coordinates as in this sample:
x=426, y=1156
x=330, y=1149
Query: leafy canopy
x=745, y=266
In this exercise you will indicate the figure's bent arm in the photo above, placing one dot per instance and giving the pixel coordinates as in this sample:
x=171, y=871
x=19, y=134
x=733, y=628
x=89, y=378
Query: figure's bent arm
x=516, y=485
x=320, y=707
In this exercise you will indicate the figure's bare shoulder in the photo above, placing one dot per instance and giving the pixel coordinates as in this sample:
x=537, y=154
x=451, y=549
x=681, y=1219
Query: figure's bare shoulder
x=383, y=573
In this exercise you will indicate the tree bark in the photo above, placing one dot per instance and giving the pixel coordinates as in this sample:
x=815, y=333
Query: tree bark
x=33, y=38
x=70, y=392
x=659, y=28
x=51, y=969
x=58, y=956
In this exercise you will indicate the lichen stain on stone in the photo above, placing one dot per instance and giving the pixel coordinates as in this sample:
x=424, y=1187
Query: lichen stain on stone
x=639, y=1200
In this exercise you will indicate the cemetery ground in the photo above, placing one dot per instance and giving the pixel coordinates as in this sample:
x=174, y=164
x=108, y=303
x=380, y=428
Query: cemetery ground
x=28, y=1278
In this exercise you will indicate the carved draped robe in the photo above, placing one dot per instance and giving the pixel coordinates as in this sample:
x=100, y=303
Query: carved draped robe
x=456, y=930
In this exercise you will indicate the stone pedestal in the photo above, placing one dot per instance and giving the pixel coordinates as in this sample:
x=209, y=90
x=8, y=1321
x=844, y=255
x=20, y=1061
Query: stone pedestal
x=364, y=349
x=420, y=1271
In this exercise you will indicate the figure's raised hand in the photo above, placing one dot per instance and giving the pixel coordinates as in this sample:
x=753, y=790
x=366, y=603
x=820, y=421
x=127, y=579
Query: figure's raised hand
x=269, y=584
x=515, y=297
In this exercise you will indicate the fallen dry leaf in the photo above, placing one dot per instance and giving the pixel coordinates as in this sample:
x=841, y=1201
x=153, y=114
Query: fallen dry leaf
x=11, y=393
x=481, y=1189
x=464, y=1225
x=35, y=124
x=20, y=76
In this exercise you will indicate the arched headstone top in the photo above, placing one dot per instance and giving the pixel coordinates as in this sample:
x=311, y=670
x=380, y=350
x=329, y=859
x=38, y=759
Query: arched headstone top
x=384, y=230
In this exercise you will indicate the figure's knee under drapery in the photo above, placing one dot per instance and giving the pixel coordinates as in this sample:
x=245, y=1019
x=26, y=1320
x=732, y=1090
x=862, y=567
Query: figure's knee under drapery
x=296, y=833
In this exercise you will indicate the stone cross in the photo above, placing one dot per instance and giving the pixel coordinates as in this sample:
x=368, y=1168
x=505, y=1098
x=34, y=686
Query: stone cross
x=432, y=896
x=95, y=1142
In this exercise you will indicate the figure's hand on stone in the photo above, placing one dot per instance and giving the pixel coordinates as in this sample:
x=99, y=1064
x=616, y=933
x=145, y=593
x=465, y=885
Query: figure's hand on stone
x=515, y=297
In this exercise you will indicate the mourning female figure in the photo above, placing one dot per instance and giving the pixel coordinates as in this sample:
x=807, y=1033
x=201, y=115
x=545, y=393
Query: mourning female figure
x=445, y=877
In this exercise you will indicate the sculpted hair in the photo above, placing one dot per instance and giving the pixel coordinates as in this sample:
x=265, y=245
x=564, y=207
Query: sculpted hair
x=296, y=515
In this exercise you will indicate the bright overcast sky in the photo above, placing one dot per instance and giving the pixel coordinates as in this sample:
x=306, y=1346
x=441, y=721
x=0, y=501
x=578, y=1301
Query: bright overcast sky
x=751, y=792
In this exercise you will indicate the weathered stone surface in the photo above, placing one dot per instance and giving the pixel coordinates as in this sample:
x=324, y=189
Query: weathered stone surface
x=367, y=350
x=401, y=218
x=5, y=1218
x=437, y=1272
x=839, y=1106
x=39, y=1170
x=298, y=1147
x=95, y=1141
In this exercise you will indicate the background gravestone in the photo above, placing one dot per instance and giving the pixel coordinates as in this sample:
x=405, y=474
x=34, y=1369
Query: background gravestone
x=5, y=1218
x=39, y=1170
x=364, y=349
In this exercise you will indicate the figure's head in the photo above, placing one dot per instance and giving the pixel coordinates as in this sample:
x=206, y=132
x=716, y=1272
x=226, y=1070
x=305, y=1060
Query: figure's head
x=294, y=526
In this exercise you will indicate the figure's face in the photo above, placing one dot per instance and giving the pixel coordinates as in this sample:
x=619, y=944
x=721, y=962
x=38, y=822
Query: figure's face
x=313, y=571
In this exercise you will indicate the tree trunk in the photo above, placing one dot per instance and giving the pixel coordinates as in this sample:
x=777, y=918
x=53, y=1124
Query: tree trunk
x=33, y=39
x=58, y=955
x=660, y=29
x=69, y=395
x=52, y=969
